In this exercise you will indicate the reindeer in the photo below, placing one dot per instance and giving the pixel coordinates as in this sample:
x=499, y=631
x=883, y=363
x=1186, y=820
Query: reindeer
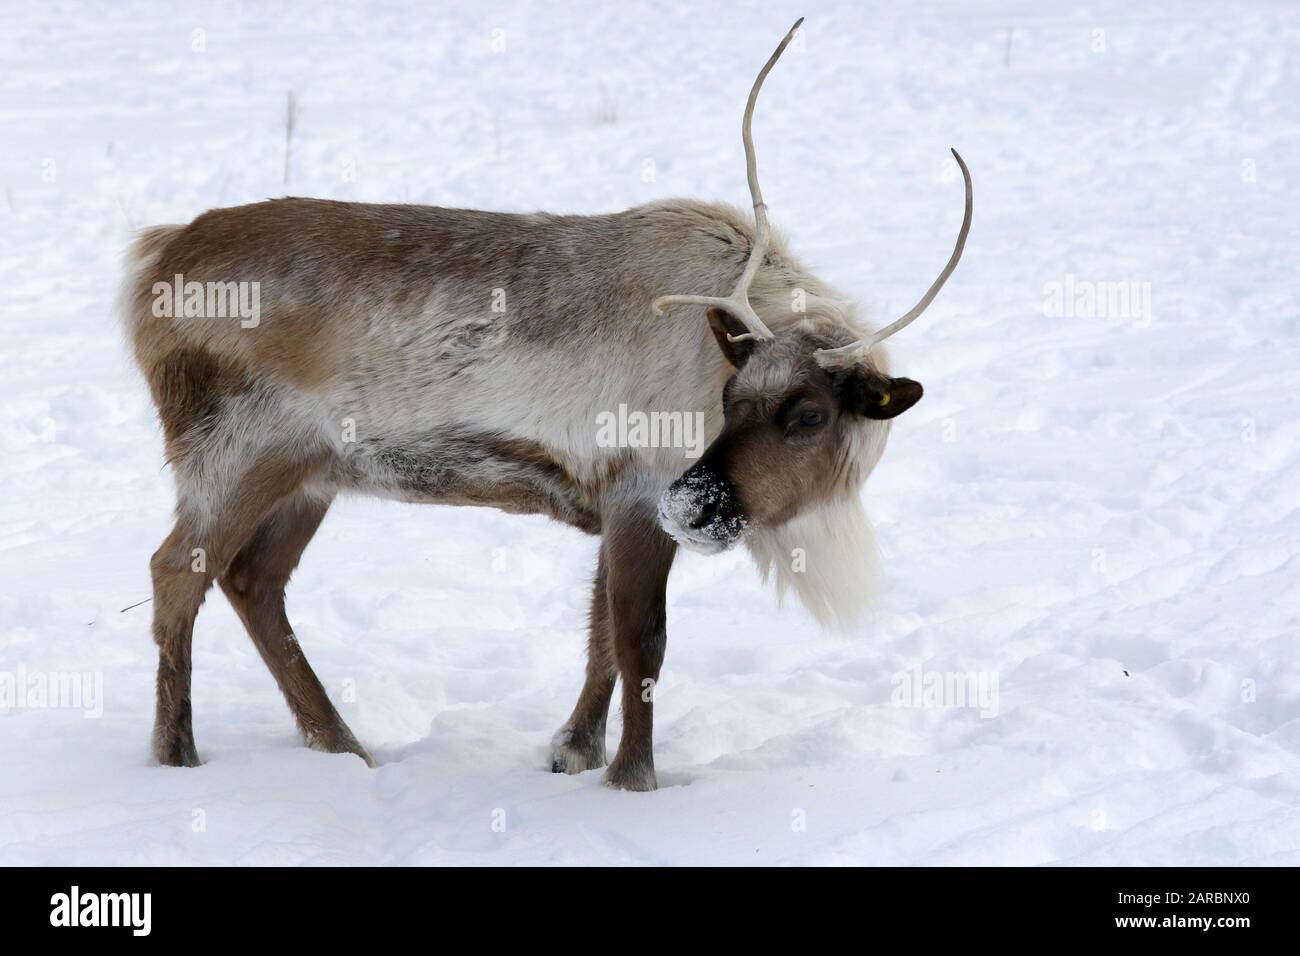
x=462, y=357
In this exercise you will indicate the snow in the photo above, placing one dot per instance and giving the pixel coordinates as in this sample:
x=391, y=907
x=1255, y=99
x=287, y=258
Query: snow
x=1096, y=515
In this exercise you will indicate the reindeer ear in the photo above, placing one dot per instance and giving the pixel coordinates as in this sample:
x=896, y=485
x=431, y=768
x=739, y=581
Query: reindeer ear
x=870, y=395
x=723, y=323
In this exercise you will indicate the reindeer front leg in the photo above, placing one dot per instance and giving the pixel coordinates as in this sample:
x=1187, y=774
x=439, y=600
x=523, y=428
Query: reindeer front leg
x=580, y=744
x=638, y=556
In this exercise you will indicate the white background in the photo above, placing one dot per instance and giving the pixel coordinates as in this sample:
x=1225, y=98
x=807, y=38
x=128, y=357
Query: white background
x=1102, y=511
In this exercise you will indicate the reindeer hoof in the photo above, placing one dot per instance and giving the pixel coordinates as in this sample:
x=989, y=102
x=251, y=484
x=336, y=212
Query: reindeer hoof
x=341, y=742
x=570, y=754
x=175, y=751
x=636, y=777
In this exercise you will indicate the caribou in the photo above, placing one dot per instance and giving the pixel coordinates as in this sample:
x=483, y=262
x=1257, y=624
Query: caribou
x=464, y=357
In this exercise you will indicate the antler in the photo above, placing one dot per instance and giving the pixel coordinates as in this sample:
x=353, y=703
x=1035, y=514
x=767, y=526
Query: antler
x=848, y=354
x=738, y=302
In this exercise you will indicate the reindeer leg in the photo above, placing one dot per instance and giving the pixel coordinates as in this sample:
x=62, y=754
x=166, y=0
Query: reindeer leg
x=255, y=583
x=183, y=569
x=180, y=581
x=580, y=744
x=639, y=556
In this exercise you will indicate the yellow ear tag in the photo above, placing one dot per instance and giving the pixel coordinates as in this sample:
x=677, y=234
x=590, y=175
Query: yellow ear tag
x=885, y=400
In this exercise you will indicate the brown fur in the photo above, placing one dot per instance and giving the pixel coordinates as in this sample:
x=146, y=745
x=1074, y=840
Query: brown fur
x=181, y=580
x=778, y=466
x=580, y=743
x=255, y=583
x=187, y=387
x=638, y=557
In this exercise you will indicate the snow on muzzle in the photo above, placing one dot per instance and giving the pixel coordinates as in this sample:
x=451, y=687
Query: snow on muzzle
x=700, y=511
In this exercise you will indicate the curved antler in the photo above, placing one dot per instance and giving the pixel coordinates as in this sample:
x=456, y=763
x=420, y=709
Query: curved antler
x=848, y=354
x=738, y=302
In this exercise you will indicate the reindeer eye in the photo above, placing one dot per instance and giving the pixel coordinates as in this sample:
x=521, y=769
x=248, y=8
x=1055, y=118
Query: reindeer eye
x=810, y=418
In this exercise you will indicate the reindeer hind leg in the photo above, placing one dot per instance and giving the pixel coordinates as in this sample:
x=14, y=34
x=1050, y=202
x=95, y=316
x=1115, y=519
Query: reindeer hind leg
x=192, y=556
x=255, y=583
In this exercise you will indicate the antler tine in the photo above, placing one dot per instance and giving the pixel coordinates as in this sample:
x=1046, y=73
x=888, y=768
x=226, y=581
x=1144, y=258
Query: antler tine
x=738, y=302
x=848, y=354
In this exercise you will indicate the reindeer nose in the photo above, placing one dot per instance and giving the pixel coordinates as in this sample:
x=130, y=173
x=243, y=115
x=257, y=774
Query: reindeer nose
x=708, y=511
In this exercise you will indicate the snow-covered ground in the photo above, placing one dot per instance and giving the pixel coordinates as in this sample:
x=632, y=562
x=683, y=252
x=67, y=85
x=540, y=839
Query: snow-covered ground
x=1095, y=511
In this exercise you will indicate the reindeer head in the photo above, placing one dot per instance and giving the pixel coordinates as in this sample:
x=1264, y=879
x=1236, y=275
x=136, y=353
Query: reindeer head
x=806, y=413
x=796, y=434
